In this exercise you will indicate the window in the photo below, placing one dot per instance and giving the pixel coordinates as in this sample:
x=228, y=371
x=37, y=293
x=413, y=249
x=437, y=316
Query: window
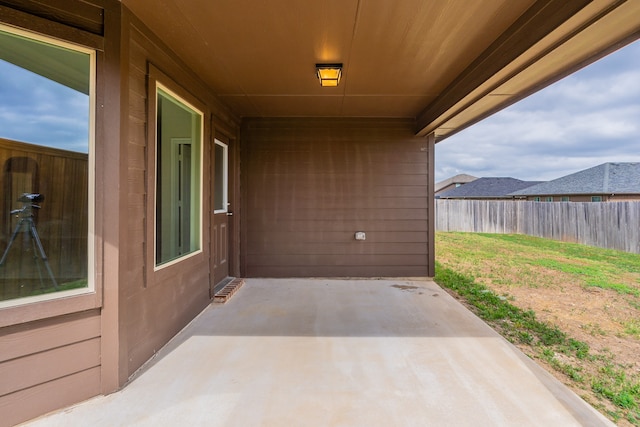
x=178, y=178
x=565, y=198
x=536, y=199
x=47, y=94
x=549, y=199
x=220, y=196
x=596, y=198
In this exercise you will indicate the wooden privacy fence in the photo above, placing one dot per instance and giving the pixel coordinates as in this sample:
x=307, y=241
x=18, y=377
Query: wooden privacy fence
x=61, y=222
x=612, y=225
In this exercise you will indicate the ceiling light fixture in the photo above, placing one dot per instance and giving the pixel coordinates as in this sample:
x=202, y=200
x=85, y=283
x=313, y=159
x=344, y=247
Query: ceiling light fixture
x=329, y=74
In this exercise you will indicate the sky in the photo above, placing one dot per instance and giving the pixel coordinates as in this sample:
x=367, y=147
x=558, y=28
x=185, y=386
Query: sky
x=586, y=119
x=40, y=111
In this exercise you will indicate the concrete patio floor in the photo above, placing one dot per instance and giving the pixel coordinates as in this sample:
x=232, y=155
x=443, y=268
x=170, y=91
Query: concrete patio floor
x=322, y=352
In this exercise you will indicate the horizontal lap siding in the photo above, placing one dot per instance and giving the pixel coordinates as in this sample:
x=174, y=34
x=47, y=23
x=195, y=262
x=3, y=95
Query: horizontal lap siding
x=137, y=168
x=48, y=364
x=156, y=304
x=309, y=185
x=55, y=362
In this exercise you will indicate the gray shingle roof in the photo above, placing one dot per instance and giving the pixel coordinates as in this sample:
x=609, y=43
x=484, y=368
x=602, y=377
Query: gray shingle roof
x=487, y=188
x=607, y=178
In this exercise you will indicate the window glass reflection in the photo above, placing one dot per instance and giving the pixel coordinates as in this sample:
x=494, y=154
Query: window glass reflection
x=44, y=146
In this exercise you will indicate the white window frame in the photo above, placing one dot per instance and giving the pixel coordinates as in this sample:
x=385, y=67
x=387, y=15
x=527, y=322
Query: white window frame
x=225, y=176
x=159, y=86
x=91, y=163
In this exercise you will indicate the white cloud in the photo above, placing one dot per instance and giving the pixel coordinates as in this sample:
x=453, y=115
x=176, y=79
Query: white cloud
x=600, y=91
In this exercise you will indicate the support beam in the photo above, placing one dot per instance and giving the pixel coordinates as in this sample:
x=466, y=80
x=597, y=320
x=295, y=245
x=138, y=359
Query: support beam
x=537, y=22
x=431, y=178
x=510, y=100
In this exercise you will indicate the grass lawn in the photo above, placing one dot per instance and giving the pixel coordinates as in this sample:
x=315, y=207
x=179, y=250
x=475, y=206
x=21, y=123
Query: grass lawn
x=574, y=308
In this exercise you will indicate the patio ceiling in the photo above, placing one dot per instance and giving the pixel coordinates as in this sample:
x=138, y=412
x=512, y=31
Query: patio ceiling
x=447, y=64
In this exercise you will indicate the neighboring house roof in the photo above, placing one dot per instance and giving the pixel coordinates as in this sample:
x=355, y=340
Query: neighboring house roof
x=488, y=188
x=462, y=178
x=607, y=178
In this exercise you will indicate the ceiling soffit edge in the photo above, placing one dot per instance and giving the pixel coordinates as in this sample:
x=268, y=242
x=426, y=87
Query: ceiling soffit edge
x=512, y=99
x=536, y=23
x=453, y=121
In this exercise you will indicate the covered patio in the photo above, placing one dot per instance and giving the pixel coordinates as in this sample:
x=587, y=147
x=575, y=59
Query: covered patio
x=341, y=353
x=210, y=151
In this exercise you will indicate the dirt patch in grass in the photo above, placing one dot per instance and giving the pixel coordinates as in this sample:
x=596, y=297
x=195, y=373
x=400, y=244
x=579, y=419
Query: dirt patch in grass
x=590, y=294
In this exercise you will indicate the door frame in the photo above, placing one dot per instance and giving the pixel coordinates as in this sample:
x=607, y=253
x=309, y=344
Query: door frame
x=233, y=207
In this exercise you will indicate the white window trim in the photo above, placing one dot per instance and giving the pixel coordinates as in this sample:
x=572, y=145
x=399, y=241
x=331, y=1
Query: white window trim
x=91, y=286
x=225, y=174
x=164, y=265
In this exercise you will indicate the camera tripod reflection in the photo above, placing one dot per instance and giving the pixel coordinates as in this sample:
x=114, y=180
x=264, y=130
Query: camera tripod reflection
x=25, y=215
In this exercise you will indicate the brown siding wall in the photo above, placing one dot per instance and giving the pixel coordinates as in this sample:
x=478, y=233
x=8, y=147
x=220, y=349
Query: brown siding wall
x=622, y=198
x=48, y=364
x=155, y=305
x=309, y=185
x=50, y=351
